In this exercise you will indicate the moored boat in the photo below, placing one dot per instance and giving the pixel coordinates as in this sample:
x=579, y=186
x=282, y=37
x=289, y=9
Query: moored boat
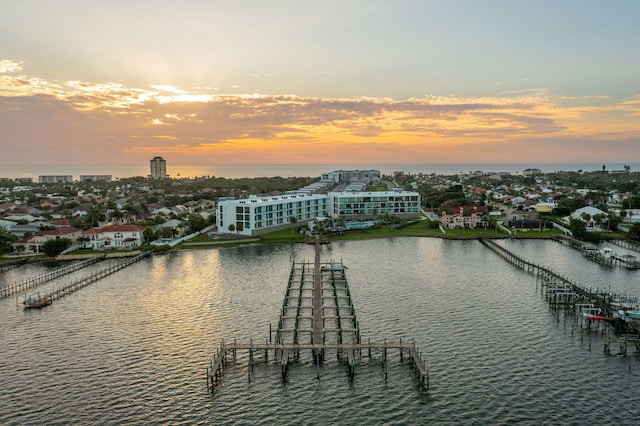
x=35, y=301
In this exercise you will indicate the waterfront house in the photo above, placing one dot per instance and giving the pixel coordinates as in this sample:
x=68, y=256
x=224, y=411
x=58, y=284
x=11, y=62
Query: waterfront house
x=34, y=243
x=463, y=217
x=114, y=237
x=591, y=217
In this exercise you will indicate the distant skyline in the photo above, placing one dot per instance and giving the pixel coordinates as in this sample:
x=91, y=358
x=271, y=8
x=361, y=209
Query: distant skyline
x=332, y=82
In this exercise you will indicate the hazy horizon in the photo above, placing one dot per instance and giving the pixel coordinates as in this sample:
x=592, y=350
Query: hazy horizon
x=289, y=170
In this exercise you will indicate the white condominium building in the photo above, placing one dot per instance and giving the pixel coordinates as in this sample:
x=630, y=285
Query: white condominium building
x=369, y=204
x=256, y=215
x=55, y=179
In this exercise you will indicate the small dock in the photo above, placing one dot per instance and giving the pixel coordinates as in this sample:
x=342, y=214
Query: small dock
x=594, y=254
x=627, y=244
x=317, y=316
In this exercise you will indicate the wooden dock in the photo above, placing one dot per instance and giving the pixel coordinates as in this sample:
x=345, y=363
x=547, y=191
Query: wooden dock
x=590, y=304
x=594, y=254
x=282, y=354
x=40, y=301
x=44, y=278
x=317, y=315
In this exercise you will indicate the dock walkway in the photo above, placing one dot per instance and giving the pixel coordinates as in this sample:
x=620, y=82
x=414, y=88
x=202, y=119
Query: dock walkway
x=44, y=278
x=592, y=252
x=317, y=315
x=39, y=301
x=560, y=291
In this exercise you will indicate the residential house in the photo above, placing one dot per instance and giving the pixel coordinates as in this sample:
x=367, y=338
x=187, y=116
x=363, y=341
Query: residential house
x=545, y=207
x=34, y=243
x=590, y=216
x=7, y=207
x=7, y=224
x=82, y=210
x=463, y=217
x=60, y=223
x=527, y=220
x=114, y=237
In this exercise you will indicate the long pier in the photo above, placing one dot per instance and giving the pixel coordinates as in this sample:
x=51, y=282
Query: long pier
x=593, y=304
x=39, y=301
x=317, y=315
x=22, y=286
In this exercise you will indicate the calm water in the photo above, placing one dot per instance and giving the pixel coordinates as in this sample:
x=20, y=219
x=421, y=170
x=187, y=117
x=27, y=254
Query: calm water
x=133, y=347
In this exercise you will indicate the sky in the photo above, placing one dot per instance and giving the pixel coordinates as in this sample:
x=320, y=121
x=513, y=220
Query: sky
x=208, y=82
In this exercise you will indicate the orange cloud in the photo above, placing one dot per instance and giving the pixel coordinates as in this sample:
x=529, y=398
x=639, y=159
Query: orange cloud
x=104, y=121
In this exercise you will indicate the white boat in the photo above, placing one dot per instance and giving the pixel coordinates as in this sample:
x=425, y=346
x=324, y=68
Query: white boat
x=608, y=253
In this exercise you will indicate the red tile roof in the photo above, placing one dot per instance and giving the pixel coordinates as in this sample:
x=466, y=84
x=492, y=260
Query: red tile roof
x=65, y=230
x=114, y=228
x=92, y=231
x=122, y=228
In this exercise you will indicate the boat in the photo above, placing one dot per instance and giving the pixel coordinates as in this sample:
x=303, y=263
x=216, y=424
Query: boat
x=333, y=266
x=31, y=299
x=633, y=314
x=608, y=253
x=593, y=314
x=35, y=301
x=596, y=317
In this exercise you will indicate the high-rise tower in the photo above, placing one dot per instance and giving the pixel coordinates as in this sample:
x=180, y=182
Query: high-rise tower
x=158, y=168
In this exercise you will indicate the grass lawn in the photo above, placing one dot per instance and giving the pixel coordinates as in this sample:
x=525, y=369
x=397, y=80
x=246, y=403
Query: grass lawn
x=420, y=228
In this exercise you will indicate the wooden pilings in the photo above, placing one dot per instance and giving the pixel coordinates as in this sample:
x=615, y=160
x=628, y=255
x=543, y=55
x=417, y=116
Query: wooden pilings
x=22, y=286
x=591, y=307
x=281, y=355
x=591, y=252
x=60, y=292
x=317, y=315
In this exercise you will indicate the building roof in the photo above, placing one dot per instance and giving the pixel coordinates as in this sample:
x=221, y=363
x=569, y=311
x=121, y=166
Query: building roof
x=65, y=230
x=588, y=210
x=114, y=228
x=122, y=228
x=92, y=231
x=61, y=222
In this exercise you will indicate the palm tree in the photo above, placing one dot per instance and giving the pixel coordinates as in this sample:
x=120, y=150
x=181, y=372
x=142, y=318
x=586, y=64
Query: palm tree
x=293, y=220
x=232, y=228
x=599, y=218
x=94, y=216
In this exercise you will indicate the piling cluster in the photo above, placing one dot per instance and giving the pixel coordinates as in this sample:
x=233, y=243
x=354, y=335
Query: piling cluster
x=592, y=310
x=317, y=318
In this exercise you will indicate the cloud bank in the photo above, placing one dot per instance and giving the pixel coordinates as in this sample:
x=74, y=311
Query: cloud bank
x=77, y=122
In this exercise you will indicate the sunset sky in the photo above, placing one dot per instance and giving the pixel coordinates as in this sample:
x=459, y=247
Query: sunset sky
x=333, y=81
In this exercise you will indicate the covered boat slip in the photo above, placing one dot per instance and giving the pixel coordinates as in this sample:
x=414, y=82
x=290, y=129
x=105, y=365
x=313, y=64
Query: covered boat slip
x=318, y=319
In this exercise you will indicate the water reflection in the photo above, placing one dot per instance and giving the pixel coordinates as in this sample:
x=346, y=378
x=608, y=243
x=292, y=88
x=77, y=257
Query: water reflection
x=133, y=347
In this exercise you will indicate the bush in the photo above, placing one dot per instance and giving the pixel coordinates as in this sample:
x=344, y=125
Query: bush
x=53, y=248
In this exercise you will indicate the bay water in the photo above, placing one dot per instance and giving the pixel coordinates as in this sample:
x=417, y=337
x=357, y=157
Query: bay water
x=133, y=347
